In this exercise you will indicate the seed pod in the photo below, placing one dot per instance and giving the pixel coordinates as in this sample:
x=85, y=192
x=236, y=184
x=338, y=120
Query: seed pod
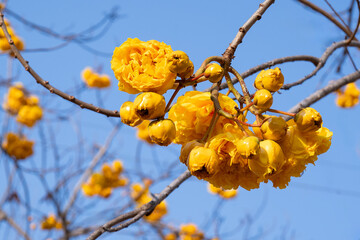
x=162, y=132
x=274, y=128
x=186, y=149
x=308, y=120
x=263, y=99
x=178, y=62
x=249, y=147
x=214, y=72
x=128, y=114
x=150, y=105
x=271, y=79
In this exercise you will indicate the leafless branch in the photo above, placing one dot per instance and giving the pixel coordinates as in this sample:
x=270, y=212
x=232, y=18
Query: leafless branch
x=12, y=223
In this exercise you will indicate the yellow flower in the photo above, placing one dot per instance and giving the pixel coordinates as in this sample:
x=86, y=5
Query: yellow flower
x=193, y=112
x=190, y=232
x=188, y=72
x=128, y=114
x=271, y=79
x=162, y=132
x=15, y=99
x=186, y=149
x=263, y=100
x=349, y=97
x=249, y=147
x=95, y=80
x=274, y=128
x=170, y=236
x=29, y=115
x=143, y=132
x=142, y=66
x=308, y=120
x=50, y=222
x=17, y=147
x=214, y=72
x=221, y=192
x=150, y=105
x=178, y=62
x=203, y=162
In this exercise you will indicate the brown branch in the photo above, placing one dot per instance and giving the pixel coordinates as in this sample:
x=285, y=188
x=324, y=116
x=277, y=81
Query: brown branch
x=12, y=223
x=321, y=93
x=230, y=51
x=328, y=52
x=46, y=84
x=137, y=214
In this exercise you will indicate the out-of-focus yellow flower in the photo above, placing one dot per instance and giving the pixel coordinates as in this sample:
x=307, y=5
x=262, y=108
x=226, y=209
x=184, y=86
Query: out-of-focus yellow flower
x=141, y=196
x=190, y=232
x=150, y=105
x=186, y=149
x=4, y=43
x=227, y=194
x=263, y=100
x=271, y=79
x=143, y=132
x=308, y=120
x=162, y=132
x=192, y=115
x=50, y=222
x=102, y=183
x=17, y=147
x=214, y=72
x=95, y=80
x=170, y=236
x=142, y=66
x=128, y=114
x=349, y=97
x=29, y=115
x=15, y=99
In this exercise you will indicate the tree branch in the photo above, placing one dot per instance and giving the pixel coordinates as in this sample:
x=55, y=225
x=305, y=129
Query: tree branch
x=12, y=223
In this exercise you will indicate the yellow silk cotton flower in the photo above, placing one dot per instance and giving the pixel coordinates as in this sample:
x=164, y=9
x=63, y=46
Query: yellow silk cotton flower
x=271, y=79
x=162, y=132
x=50, y=222
x=95, y=80
x=103, y=182
x=192, y=115
x=141, y=195
x=308, y=120
x=150, y=105
x=17, y=146
x=349, y=97
x=214, y=72
x=128, y=114
x=190, y=232
x=227, y=194
x=186, y=149
x=29, y=115
x=263, y=100
x=15, y=99
x=143, y=132
x=142, y=66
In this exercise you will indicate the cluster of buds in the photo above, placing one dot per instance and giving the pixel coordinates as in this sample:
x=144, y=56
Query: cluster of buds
x=95, y=80
x=26, y=107
x=217, y=142
x=17, y=146
x=349, y=97
x=103, y=182
x=4, y=44
x=50, y=222
x=141, y=195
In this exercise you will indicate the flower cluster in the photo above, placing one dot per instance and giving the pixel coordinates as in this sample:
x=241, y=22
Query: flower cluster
x=4, y=44
x=349, y=97
x=26, y=107
x=226, y=194
x=17, y=146
x=190, y=232
x=50, y=222
x=102, y=183
x=141, y=195
x=95, y=80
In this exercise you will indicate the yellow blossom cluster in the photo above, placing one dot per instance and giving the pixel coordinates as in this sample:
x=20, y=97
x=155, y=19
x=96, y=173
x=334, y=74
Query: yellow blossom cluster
x=95, y=80
x=104, y=182
x=4, y=43
x=26, y=107
x=17, y=146
x=349, y=97
x=227, y=194
x=190, y=232
x=50, y=222
x=141, y=195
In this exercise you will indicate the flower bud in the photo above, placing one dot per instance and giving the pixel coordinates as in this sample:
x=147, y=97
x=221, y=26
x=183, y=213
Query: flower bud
x=214, y=72
x=263, y=99
x=186, y=149
x=271, y=79
x=274, y=128
x=270, y=159
x=188, y=72
x=128, y=114
x=202, y=162
x=178, y=62
x=308, y=120
x=150, y=105
x=162, y=132
x=248, y=147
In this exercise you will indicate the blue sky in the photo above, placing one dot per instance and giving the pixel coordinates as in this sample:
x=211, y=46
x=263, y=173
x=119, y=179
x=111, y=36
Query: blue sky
x=322, y=204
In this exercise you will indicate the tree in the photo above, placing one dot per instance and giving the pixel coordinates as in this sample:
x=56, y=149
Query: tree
x=73, y=186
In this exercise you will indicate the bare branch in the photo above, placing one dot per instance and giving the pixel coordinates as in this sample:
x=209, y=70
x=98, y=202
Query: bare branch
x=12, y=223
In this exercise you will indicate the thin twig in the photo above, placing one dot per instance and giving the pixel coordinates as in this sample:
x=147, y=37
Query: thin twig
x=12, y=223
